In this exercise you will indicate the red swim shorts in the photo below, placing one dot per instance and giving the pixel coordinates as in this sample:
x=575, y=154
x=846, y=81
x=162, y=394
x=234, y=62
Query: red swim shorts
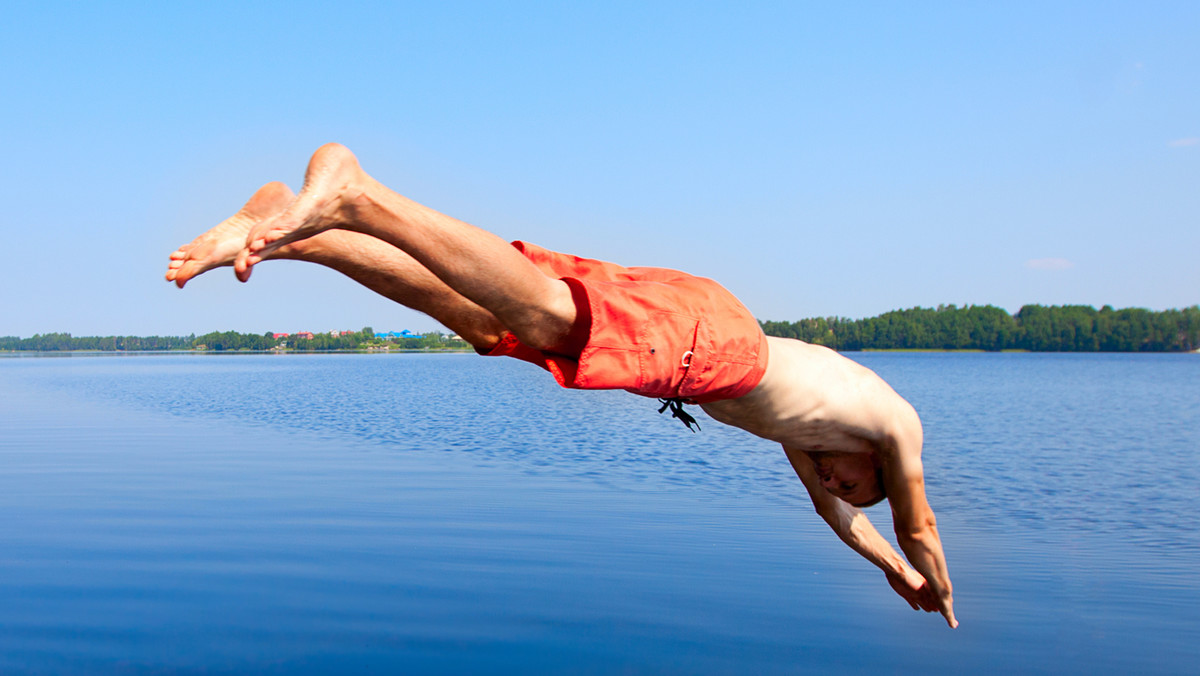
x=654, y=332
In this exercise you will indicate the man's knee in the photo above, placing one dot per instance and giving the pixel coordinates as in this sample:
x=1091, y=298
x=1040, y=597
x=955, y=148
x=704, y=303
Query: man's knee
x=555, y=324
x=543, y=331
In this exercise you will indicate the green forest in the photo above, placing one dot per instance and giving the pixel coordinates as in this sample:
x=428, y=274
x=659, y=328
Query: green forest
x=1036, y=328
x=229, y=341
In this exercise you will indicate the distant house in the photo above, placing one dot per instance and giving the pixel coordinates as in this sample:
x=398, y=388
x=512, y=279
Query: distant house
x=279, y=335
x=392, y=335
x=307, y=335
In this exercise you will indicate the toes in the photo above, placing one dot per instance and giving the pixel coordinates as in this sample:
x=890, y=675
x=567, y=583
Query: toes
x=259, y=244
x=243, y=275
x=186, y=272
x=276, y=236
x=241, y=265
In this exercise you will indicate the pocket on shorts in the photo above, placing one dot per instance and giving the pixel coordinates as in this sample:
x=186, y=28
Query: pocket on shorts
x=665, y=350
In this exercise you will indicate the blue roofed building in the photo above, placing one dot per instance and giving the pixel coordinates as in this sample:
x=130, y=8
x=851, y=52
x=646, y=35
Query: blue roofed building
x=398, y=334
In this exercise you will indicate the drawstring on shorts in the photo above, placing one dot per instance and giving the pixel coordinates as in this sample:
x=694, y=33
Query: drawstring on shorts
x=676, y=406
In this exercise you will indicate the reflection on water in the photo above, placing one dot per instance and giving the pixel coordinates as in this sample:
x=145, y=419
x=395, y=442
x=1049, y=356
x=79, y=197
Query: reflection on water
x=448, y=513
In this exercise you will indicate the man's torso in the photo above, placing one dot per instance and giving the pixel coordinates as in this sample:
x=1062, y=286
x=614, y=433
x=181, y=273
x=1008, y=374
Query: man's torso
x=810, y=398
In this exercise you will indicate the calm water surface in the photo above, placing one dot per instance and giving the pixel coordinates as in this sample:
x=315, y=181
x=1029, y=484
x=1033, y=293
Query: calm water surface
x=450, y=514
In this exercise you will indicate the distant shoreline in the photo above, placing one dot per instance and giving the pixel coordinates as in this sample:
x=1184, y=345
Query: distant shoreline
x=1036, y=328
x=468, y=351
x=947, y=328
x=396, y=350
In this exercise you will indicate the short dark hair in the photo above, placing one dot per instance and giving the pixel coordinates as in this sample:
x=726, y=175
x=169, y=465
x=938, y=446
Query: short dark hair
x=882, y=490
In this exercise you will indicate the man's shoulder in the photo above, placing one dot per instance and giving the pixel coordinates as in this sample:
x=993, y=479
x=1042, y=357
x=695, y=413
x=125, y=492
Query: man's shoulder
x=786, y=348
x=790, y=358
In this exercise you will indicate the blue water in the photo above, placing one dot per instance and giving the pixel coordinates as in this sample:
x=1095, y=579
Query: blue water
x=451, y=514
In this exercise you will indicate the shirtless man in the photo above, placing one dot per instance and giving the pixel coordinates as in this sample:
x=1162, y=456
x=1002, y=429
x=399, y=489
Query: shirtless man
x=850, y=438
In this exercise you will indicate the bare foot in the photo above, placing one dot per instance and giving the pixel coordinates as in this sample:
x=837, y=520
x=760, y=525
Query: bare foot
x=220, y=246
x=331, y=182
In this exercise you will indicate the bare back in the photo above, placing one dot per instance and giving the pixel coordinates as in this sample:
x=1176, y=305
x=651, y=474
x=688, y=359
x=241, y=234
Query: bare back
x=813, y=399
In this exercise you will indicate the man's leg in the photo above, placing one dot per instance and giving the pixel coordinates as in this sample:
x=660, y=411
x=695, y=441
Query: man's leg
x=373, y=263
x=482, y=267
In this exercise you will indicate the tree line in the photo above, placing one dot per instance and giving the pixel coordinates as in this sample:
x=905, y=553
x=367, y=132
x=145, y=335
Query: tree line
x=53, y=342
x=227, y=341
x=1037, y=328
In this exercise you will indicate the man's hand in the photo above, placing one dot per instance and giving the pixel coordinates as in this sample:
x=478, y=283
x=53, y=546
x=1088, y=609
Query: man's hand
x=913, y=588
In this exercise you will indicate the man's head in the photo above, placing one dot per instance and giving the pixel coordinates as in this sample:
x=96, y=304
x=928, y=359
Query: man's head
x=856, y=478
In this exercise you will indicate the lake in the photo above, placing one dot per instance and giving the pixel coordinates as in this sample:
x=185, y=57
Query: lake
x=308, y=514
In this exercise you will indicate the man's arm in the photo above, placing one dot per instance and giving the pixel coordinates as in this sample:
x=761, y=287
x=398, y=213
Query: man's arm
x=855, y=529
x=912, y=517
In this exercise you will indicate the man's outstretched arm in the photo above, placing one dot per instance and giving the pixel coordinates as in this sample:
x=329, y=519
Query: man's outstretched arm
x=912, y=517
x=854, y=528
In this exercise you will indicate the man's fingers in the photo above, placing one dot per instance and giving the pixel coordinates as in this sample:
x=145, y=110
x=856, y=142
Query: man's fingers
x=923, y=597
x=950, y=620
x=918, y=597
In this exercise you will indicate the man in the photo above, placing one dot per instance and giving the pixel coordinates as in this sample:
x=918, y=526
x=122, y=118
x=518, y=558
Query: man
x=594, y=325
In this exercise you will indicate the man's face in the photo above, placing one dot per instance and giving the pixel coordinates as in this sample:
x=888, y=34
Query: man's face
x=849, y=476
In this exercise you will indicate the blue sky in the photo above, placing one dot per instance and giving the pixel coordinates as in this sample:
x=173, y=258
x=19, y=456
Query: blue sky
x=816, y=158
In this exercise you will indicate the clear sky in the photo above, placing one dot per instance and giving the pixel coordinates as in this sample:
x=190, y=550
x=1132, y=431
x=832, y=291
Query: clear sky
x=816, y=158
